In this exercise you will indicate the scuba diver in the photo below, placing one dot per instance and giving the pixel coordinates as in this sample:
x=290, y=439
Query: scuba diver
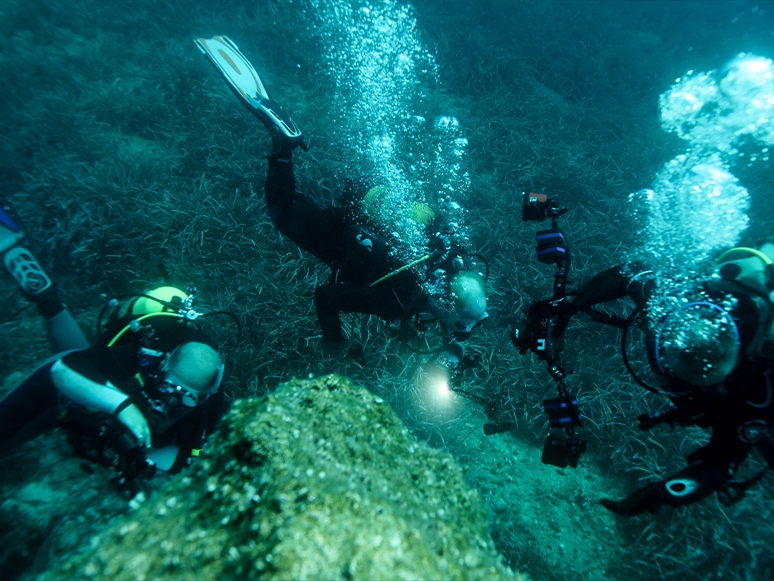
x=354, y=240
x=713, y=356
x=144, y=397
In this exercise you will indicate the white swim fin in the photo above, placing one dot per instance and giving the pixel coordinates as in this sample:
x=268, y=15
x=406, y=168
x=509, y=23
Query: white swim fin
x=247, y=85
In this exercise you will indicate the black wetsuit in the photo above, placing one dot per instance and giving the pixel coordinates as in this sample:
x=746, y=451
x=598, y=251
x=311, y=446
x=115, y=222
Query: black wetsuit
x=357, y=256
x=740, y=412
x=36, y=405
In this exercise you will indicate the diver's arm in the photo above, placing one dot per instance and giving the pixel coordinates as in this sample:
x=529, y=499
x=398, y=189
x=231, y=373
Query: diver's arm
x=634, y=281
x=100, y=397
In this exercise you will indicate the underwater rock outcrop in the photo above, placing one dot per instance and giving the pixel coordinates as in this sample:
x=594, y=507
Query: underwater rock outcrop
x=319, y=480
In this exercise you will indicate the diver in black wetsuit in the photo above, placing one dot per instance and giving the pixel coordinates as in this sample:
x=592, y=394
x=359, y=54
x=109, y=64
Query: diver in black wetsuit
x=366, y=277
x=145, y=397
x=359, y=256
x=714, y=356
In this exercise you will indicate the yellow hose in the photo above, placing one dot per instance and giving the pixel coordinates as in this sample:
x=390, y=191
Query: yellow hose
x=755, y=252
x=125, y=329
x=401, y=269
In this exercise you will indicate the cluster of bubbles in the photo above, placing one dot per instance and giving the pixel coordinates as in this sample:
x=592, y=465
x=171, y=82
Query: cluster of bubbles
x=697, y=207
x=453, y=180
x=718, y=108
x=381, y=71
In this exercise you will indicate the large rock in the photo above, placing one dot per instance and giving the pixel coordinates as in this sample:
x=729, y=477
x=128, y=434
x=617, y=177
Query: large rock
x=318, y=481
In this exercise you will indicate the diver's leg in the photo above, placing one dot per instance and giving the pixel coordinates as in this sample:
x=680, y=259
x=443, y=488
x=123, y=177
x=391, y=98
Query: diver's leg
x=280, y=185
x=687, y=486
x=713, y=466
x=296, y=216
x=311, y=227
x=328, y=308
x=332, y=299
x=63, y=332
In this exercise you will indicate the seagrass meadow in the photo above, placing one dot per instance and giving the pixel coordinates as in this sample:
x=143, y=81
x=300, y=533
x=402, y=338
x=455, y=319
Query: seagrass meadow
x=127, y=157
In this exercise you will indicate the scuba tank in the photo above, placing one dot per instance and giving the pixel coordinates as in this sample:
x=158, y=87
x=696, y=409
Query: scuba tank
x=160, y=306
x=750, y=272
x=161, y=302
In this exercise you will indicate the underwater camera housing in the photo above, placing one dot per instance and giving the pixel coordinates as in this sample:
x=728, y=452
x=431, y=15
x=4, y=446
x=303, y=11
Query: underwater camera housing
x=538, y=207
x=563, y=452
x=536, y=333
x=563, y=413
x=542, y=333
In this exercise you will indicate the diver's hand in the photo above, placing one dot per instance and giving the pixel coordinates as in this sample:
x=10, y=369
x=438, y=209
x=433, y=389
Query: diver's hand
x=133, y=419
